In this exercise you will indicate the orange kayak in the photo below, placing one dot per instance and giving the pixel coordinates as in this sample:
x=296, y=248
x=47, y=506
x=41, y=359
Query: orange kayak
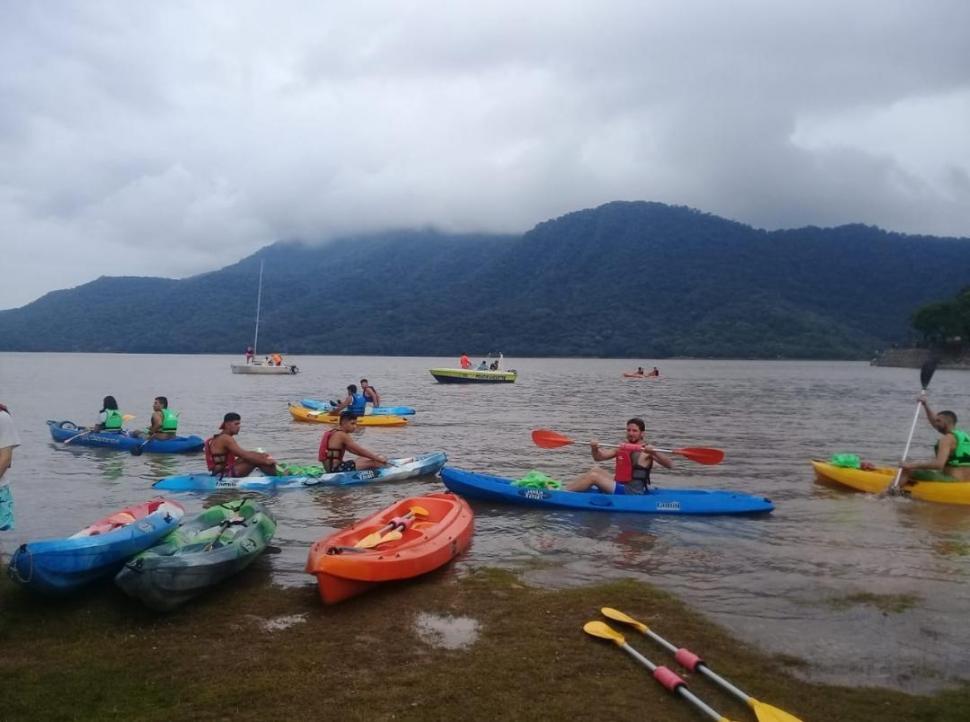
x=422, y=533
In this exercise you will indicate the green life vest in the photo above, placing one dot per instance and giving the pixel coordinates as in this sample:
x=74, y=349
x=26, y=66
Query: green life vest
x=170, y=421
x=113, y=421
x=960, y=456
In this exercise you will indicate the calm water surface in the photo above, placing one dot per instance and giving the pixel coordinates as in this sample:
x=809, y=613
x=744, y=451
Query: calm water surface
x=776, y=582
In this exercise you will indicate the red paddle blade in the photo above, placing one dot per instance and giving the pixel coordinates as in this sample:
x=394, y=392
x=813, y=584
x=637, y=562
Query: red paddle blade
x=547, y=439
x=702, y=455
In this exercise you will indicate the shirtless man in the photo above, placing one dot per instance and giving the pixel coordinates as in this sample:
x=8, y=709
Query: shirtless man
x=634, y=461
x=336, y=442
x=225, y=457
x=952, y=460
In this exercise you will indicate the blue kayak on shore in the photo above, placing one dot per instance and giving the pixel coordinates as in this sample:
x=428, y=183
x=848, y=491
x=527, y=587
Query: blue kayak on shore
x=657, y=501
x=68, y=431
x=398, y=470
x=374, y=410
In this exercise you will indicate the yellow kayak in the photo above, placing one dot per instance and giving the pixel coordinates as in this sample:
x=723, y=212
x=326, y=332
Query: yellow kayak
x=875, y=481
x=301, y=413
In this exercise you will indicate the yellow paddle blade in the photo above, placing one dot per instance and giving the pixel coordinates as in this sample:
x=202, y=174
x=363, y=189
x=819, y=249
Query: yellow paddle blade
x=128, y=417
x=625, y=618
x=603, y=631
x=371, y=540
x=391, y=536
x=767, y=713
x=419, y=511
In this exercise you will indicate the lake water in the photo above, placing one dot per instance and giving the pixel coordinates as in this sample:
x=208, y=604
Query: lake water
x=775, y=581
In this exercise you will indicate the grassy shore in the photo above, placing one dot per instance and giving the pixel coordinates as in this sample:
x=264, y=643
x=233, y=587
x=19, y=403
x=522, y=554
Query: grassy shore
x=99, y=655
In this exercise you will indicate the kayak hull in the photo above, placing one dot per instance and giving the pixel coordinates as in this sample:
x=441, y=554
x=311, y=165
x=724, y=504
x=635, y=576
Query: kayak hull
x=658, y=501
x=260, y=370
x=876, y=481
x=429, y=542
x=405, y=469
x=59, y=566
x=120, y=441
x=470, y=376
x=640, y=376
x=301, y=413
x=204, y=551
x=315, y=405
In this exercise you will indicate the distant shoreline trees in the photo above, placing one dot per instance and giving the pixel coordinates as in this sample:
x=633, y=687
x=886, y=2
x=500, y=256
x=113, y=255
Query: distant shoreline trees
x=946, y=323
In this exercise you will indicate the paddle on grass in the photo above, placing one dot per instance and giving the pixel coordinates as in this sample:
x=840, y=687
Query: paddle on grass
x=690, y=661
x=92, y=430
x=664, y=676
x=382, y=535
x=548, y=439
x=925, y=375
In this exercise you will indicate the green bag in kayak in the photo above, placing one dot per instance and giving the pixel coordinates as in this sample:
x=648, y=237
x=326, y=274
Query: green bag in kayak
x=846, y=461
x=537, y=480
x=312, y=470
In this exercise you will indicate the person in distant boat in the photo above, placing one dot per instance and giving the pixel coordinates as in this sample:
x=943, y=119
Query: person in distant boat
x=277, y=359
x=9, y=440
x=952, y=460
x=336, y=442
x=654, y=372
x=267, y=362
x=640, y=371
x=111, y=419
x=225, y=457
x=250, y=354
x=482, y=366
x=493, y=366
x=354, y=401
x=370, y=393
x=164, y=422
x=634, y=461
x=465, y=362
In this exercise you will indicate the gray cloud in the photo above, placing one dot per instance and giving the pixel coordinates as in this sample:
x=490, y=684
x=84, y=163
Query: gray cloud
x=172, y=138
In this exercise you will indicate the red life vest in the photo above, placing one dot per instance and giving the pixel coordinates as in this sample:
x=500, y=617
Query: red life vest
x=626, y=471
x=221, y=464
x=330, y=458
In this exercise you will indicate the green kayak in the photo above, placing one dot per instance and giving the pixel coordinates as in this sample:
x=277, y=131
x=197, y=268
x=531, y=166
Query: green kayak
x=202, y=552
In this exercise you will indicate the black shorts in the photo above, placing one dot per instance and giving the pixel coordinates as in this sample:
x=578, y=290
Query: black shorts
x=345, y=466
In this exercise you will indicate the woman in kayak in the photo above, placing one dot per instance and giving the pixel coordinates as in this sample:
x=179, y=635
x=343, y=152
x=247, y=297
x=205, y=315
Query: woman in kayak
x=634, y=461
x=336, y=442
x=952, y=461
x=225, y=457
x=111, y=419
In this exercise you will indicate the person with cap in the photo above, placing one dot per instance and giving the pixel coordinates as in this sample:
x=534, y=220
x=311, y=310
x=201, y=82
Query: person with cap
x=225, y=457
x=336, y=442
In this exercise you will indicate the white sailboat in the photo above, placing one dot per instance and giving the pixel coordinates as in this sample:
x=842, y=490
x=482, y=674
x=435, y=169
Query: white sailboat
x=264, y=368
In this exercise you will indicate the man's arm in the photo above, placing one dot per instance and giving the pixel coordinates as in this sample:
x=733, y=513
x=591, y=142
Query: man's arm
x=601, y=454
x=658, y=456
x=930, y=416
x=942, y=455
x=356, y=448
x=342, y=405
x=254, y=457
x=156, y=424
x=6, y=459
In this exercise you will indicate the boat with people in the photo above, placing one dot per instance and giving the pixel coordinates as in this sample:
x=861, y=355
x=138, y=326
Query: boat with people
x=409, y=538
x=307, y=476
x=57, y=566
x=483, y=374
x=472, y=485
x=369, y=410
x=301, y=413
x=272, y=365
x=204, y=551
x=878, y=479
x=70, y=433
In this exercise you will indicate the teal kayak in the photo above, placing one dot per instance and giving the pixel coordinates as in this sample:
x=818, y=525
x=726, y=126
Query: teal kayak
x=315, y=405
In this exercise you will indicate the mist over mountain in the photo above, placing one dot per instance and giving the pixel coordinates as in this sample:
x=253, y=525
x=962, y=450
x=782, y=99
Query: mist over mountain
x=626, y=279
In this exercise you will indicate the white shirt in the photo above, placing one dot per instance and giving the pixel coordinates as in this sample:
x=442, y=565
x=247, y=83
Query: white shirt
x=8, y=437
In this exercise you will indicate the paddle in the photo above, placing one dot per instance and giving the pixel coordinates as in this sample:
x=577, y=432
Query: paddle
x=92, y=430
x=690, y=661
x=378, y=537
x=664, y=676
x=548, y=439
x=925, y=375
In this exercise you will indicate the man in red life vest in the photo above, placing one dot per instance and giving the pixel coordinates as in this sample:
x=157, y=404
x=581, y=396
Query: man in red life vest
x=634, y=461
x=337, y=441
x=225, y=457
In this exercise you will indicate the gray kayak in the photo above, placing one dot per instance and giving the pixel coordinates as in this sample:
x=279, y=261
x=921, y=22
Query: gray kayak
x=221, y=541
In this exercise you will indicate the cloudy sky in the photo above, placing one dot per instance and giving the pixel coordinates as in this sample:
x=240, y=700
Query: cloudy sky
x=172, y=138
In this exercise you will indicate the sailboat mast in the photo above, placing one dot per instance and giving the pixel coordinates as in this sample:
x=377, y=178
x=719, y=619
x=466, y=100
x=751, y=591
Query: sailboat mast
x=259, y=300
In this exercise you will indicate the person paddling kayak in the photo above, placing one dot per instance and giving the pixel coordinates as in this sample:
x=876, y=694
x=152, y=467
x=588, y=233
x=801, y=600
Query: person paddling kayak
x=111, y=418
x=336, y=442
x=634, y=461
x=225, y=457
x=952, y=460
x=164, y=422
x=354, y=402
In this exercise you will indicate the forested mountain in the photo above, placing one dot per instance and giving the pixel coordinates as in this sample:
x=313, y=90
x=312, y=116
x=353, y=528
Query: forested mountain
x=626, y=279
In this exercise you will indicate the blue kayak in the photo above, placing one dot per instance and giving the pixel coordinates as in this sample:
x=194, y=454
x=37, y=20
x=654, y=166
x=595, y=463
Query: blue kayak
x=57, y=566
x=120, y=440
x=398, y=470
x=656, y=501
x=374, y=410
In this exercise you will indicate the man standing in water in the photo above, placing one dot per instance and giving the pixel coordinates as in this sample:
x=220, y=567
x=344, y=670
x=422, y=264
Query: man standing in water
x=225, y=457
x=952, y=460
x=634, y=461
x=8, y=441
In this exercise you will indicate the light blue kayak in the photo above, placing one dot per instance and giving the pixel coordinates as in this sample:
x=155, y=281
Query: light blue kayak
x=398, y=470
x=374, y=410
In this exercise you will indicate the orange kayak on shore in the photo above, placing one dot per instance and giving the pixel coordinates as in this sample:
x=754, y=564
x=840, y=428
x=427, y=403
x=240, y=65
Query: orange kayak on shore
x=407, y=539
